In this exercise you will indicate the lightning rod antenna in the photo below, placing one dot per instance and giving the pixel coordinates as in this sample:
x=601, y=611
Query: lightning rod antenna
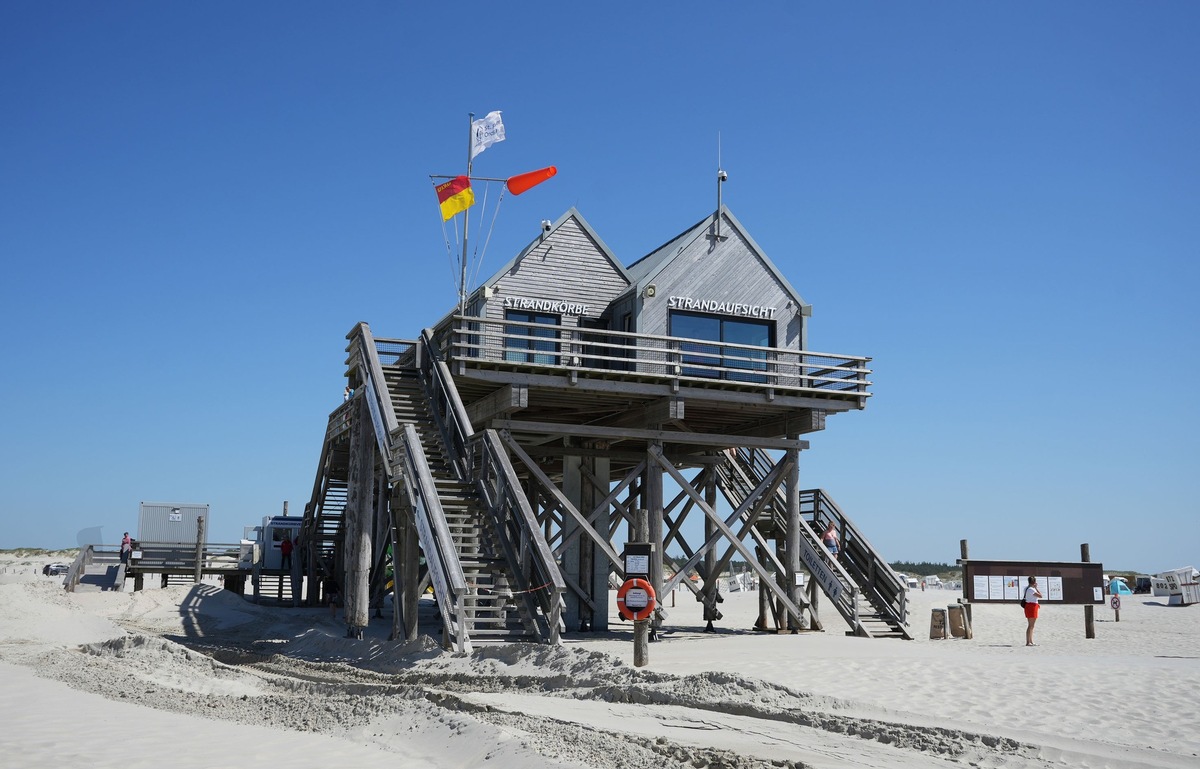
x=721, y=177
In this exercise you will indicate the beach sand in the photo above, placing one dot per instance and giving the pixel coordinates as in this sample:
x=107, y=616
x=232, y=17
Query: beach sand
x=198, y=677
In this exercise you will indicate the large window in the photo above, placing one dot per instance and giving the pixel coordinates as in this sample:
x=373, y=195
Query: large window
x=719, y=361
x=523, y=344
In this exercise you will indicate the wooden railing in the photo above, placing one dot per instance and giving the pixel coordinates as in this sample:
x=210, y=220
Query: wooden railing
x=539, y=579
x=175, y=557
x=481, y=459
x=447, y=407
x=700, y=362
x=859, y=570
x=78, y=567
x=880, y=584
x=445, y=570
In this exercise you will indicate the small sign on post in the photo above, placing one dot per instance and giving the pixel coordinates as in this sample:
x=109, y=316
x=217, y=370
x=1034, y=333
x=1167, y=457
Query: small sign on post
x=1115, y=603
x=637, y=559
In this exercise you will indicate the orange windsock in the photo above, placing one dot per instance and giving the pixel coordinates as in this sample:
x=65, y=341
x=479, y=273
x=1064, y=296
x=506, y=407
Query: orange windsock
x=521, y=182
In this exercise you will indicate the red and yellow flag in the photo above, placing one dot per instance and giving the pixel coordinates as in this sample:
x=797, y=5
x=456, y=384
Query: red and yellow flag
x=455, y=195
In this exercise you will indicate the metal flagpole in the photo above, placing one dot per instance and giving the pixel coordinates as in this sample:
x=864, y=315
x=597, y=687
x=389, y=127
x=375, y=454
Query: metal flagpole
x=462, y=284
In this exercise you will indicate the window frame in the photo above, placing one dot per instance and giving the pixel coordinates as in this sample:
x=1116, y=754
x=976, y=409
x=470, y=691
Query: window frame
x=714, y=353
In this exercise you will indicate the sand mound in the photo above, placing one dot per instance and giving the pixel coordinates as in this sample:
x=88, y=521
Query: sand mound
x=41, y=613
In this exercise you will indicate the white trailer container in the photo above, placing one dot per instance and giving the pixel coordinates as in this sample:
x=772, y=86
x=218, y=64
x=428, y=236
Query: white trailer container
x=175, y=523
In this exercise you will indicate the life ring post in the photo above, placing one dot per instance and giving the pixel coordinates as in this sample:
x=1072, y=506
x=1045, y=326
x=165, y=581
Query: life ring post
x=636, y=601
x=641, y=643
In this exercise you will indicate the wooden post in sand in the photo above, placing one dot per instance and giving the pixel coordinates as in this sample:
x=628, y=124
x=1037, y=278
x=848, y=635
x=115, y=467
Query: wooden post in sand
x=711, y=612
x=1089, y=613
x=407, y=572
x=641, y=628
x=814, y=618
x=654, y=527
x=792, y=541
x=964, y=552
x=764, y=595
x=359, y=506
x=199, y=574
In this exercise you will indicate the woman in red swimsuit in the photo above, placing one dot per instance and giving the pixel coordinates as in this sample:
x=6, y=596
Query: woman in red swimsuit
x=1032, y=594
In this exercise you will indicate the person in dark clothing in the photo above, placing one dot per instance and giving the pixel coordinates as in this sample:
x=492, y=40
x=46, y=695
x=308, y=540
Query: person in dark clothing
x=285, y=550
x=332, y=593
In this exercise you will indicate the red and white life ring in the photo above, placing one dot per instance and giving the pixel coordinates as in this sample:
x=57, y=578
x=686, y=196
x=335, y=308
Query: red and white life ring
x=638, y=588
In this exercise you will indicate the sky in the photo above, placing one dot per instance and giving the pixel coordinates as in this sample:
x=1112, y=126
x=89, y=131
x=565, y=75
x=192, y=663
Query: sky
x=996, y=202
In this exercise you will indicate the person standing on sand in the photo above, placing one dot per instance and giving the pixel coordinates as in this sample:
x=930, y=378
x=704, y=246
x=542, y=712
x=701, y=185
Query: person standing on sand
x=1032, y=594
x=331, y=591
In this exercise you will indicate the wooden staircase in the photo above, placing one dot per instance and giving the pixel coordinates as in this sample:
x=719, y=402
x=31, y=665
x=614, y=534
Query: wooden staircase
x=327, y=508
x=872, y=599
x=490, y=611
x=273, y=586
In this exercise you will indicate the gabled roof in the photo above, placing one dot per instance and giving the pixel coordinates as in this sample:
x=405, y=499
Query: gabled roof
x=571, y=213
x=644, y=271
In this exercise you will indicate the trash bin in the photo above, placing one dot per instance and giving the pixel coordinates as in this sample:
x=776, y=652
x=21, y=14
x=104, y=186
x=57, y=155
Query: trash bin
x=959, y=627
x=937, y=624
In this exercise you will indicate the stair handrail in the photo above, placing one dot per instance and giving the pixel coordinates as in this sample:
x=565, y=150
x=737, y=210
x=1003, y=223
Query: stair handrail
x=445, y=570
x=882, y=572
x=879, y=572
x=441, y=558
x=481, y=460
x=448, y=406
x=501, y=490
x=847, y=597
x=379, y=400
x=77, y=569
x=316, y=502
x=386, y=425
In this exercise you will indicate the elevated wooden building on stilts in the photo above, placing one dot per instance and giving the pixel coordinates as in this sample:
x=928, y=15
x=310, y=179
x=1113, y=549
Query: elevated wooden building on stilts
x=499, y=456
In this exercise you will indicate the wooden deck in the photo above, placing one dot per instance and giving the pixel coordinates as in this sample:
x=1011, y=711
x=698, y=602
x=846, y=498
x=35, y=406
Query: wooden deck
x=541, y=380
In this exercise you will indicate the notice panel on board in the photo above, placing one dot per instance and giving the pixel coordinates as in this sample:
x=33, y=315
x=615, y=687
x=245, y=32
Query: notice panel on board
x=1070, y=583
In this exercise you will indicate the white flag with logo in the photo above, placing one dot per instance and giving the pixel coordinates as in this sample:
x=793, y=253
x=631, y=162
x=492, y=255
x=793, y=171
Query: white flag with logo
x=486, y=132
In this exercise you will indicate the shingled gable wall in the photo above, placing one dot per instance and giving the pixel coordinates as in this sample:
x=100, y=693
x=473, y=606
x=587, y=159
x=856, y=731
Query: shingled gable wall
x=567, y=273
x=729, y=278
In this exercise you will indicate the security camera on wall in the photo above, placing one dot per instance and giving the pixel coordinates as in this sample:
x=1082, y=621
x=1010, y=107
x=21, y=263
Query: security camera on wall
x=545, y=225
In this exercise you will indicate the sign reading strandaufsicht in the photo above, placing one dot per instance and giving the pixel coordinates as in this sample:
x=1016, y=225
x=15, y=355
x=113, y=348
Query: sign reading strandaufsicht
x=719, y=307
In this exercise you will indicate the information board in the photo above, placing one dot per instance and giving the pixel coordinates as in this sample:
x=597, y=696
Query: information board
x=1005, y=581
x=637, y=559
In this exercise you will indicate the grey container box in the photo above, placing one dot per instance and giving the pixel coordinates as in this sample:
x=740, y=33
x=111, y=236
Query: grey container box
x=170, y=522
